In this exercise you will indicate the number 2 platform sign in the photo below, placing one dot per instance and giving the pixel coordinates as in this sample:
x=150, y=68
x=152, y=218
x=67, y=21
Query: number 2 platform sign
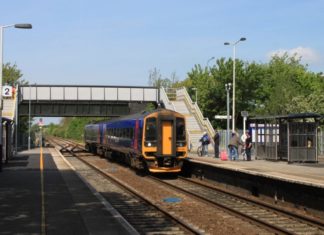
x=7, y=91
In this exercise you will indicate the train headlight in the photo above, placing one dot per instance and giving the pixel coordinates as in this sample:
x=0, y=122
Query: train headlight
x=150, y=143
x=181, y=144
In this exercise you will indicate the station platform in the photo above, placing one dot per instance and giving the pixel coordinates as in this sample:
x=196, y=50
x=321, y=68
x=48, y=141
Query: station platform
x=298, y=185
x=310, y=174
x=38, y=196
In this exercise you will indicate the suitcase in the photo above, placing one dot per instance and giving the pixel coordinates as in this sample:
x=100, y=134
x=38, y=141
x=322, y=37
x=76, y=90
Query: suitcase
x=223, y=155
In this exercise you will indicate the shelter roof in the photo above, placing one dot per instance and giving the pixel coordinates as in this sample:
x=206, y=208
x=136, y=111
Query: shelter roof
x=290, y=116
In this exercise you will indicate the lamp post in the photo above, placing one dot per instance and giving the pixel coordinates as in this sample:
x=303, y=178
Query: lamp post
x=233, y=102
x=29, y=123
x=227, y=88
x=210, y=59
x=196, y=90
x=2, y=27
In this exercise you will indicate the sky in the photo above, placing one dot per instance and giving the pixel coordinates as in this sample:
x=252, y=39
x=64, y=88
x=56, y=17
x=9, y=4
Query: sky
x=105, y=42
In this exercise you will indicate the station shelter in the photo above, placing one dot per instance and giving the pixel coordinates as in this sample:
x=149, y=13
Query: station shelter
x=291, y=138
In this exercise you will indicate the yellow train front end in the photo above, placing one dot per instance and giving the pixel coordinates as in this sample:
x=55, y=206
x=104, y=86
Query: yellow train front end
x=164, y=142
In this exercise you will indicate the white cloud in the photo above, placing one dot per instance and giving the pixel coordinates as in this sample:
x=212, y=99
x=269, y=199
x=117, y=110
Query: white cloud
x=308, y=55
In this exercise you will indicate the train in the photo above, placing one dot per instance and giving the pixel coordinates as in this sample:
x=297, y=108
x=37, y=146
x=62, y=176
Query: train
x=153, y=141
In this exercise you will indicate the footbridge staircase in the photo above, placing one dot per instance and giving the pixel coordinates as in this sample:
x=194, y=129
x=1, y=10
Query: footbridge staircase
x=180, y=101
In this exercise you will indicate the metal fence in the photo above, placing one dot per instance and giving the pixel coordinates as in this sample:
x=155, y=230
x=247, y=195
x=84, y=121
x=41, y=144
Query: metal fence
x=320, y=140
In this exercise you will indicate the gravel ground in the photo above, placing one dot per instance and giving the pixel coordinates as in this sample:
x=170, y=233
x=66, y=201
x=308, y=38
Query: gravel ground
x=207, y=218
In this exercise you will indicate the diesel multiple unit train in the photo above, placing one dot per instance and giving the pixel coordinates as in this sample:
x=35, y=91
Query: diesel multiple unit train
x=154, y=141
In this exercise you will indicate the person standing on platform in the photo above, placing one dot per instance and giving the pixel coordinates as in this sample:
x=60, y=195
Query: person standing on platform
x=204, y=142
x=233, y=146
x=216, y=142
x=248, y=146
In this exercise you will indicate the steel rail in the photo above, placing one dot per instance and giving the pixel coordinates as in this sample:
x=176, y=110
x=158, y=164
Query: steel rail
x=188, y=227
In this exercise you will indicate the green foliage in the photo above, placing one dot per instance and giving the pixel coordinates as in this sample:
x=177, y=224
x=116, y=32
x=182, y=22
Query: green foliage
x=11, y=75
x=150, y=107
x=71, y=128
x=155, y=79
x=281, y=86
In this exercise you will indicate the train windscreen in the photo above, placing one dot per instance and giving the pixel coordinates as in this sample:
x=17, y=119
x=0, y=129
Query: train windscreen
x=181, y=130
x=150, y=132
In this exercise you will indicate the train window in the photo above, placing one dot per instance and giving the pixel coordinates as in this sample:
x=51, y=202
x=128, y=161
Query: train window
x=181, y=131
x=131, y=133
x=150, y=132
x=125, y=132
x=128, y=133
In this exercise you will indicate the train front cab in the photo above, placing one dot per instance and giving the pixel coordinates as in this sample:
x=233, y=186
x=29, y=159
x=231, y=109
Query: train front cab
x=164, y=143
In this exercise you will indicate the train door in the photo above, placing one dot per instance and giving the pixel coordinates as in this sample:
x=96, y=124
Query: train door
x=167, y=127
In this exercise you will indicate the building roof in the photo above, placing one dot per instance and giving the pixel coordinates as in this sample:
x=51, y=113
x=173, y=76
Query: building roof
x=290, y=116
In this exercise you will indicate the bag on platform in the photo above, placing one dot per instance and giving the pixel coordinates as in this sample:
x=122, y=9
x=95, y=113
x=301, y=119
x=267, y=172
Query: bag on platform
x=223, y=155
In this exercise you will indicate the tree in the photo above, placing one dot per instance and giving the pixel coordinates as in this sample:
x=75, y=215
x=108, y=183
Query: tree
x=290, y=87
x=281, y=86
x=211, y=87
x=155, y=79
x=11, y=75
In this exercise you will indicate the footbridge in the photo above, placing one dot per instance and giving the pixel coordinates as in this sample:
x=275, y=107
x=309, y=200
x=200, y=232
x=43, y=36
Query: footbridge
x=85, y=101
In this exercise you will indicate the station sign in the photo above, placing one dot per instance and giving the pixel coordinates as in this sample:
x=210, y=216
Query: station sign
x=244, y=113
x=222, y=116
x=7, y=91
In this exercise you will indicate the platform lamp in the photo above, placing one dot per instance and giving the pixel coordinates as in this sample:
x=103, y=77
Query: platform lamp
x=233, y=102
x=210, y=59
x=227, y=88
x=2, y=27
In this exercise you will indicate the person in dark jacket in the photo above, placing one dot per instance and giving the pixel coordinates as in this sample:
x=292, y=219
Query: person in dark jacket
x=248, y=146
x=216, y=142
x=205, y=142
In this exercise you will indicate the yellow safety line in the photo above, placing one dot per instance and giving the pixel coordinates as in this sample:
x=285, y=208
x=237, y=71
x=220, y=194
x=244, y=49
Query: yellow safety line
x=43, y=231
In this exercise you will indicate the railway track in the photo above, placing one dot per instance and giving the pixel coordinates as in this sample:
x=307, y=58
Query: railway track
x=144, y=216
x=273, y=218
x=264, y=217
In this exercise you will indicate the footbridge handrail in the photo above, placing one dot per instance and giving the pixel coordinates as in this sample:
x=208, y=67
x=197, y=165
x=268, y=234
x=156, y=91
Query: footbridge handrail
x=205, y=123
x=165, y=99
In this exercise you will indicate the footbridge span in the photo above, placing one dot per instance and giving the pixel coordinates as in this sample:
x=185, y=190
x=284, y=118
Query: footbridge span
x=85, y=101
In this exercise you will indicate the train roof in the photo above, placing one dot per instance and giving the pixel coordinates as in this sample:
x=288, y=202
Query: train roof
x=144, y=113
x=139, y=115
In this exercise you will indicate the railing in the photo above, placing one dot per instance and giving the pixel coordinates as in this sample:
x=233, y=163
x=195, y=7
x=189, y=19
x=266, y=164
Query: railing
x=320, y=145
x=171, y=93
x=164, y=95
x=165, y=99
x=88, y=93
x=204, y=122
